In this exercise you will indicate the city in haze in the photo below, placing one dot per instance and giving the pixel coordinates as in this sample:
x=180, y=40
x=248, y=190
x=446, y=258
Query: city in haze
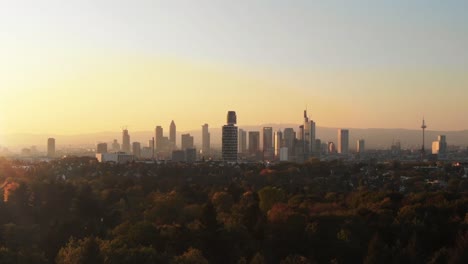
x=233, y=131
x=79, y=67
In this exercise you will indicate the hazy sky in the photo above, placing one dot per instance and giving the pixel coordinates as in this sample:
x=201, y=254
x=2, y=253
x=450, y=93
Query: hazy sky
x=85, y=66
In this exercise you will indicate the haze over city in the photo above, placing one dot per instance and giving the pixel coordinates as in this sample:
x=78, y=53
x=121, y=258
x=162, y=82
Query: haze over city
x=73, y=67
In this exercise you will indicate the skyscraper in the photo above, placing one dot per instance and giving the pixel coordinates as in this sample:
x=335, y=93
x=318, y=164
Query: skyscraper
x=309, y=135
x=101, y=148
x=125, y=141
x=268, y=150
x=360, y=147
x=229, y=138
x=51, y=147
x=115, y=146
x=254, y=142
x=242, y=148
x=159, y=138
x=187, y=141
x=279, y=143
x=136, y=149
x=172, y=135
x=289, y=140
x=205, y=140
x=343, y=141
x=439, y=147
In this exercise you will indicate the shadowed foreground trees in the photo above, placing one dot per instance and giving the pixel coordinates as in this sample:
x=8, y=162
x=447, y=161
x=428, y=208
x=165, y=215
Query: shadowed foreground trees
x=140, y=213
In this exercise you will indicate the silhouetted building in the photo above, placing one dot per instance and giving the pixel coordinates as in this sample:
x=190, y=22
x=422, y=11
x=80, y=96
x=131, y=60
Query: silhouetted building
x=190, y=154
x=187, y=141
x=205, y=140
x=268, y=149
x=254, y=142
x=118, y=157
x=360, y=146
x=51, y=147
x=439, y=147
x=178, y=155
x=101, y=148
x=343, y=141
x=229, y=138
x=159, y=138
x=115, y=146
x=289, y=140
x=308, y=136
x=136, y=149
x=423, y=150
x=242, y=148
x=172, y=135
x=125, y=141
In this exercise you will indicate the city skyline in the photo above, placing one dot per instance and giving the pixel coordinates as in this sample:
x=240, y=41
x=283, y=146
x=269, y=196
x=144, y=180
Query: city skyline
x=355, y=65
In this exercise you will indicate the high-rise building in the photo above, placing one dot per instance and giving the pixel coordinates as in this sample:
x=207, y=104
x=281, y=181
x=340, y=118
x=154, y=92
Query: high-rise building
x=308, y=136
x=205, y=140
x=172, y=135
x=343, y=141
x=115, y=146
x=279, y=143
x=242, y=148
x=268, y=149
x=229, y=138
x=136, y=149
x=439, y=147
x=331, y=148
x=125, y=141
x=101, y=148
x=187, y=141
x=360, y=146
x=51, y=147
x=159, y=144
x=254, y=142
x=190, y=154
x=289, y=140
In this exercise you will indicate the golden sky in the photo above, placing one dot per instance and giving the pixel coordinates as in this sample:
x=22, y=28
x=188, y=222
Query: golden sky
x=69, y=67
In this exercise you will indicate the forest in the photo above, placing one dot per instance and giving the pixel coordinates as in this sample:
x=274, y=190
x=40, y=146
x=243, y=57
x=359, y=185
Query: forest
x=76, y=210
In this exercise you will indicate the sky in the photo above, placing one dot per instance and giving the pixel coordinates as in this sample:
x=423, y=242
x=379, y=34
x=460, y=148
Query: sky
x=70, y=67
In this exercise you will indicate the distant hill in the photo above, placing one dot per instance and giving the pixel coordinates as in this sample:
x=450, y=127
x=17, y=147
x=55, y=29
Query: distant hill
x=375, y=137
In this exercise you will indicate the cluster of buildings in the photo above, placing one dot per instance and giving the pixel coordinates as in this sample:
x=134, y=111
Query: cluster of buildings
x=286, y=145
x=241, y=145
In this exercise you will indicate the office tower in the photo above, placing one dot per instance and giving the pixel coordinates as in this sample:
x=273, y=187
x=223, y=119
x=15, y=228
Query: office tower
x=136, y=149
x=308, y=135
x=125, y=141
x=231, y=118
x=317, y=147
x=115, y=146
x=187, y=141
x=343, y=141
x=242, y=147
x=172, y=135
x=229, y=138
x=101, y=148
x=159, y=144
x=205, y=140
x=51, y=147
x=268, y=149
x=301, y=132
x=254, y=142
x=331, y=148
x=423, y=150
x=190, y=154
x=150, y=143
x=289, y=139
x=439, y=147
x=178, y=155
x=360, y=146
x=279, y=143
